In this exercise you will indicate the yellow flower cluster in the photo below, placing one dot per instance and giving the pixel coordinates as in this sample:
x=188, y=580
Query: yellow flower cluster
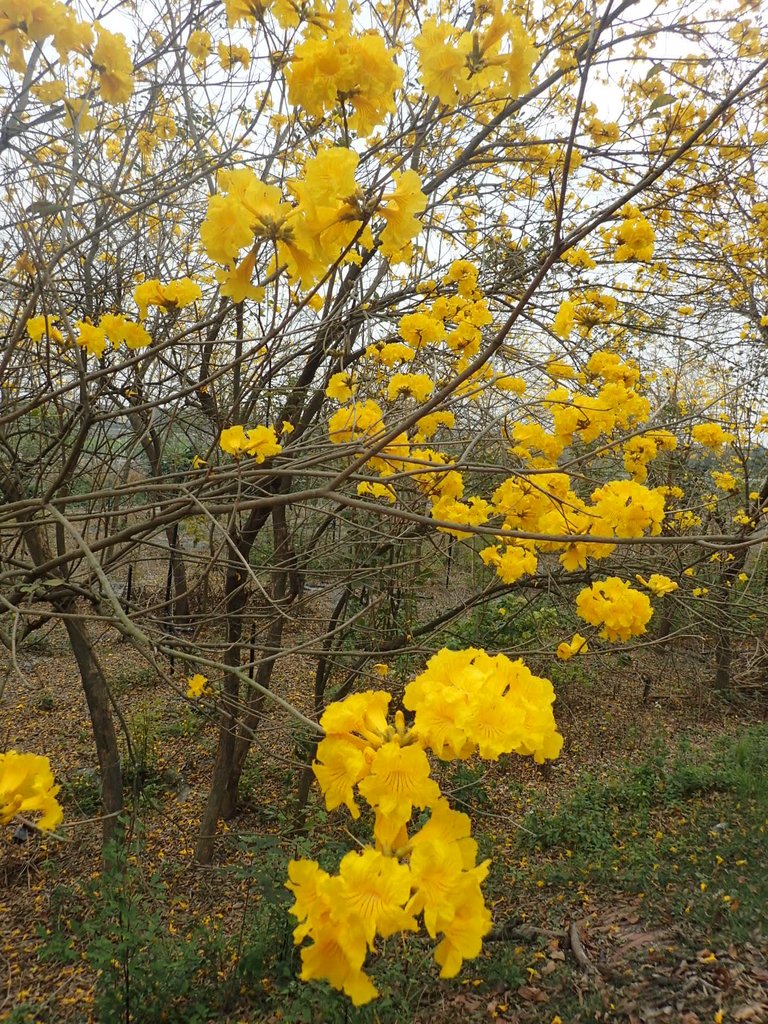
x=612, y=603
x=546, y=504
x=627, y=509
x=341, y=387
x=40, y=326
x=583, y=416
x=658, y=584
x=260, y=442
x=643, y=448
x=24, y=23
x=416, y=385
x=335, y=67
x=586, y=311
x=197, y=687
x=635, y=236
x=27, y=788
x=725, y=481
x=112, y=59
x=93, y=338
x=711, y=435
x=170, y=296
x=311, y=234
x=458, y=64
x=465, y=701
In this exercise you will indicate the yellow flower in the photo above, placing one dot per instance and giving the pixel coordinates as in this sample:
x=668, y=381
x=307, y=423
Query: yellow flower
x=399, y=780
x=443, y=64
x=27, y=788
x=564, y=320
x=197, y=687
x=361, y=716
x=473, y=512
x=231, y=55
x=429, y=425
x=341, y=387
x=658, y=584
x=91, y=338
x=399, y=212
x=374, y=890
x=725, y=481
x=636, y=238
x=711, y=435
x=339, y=766
x=119, y=330
x=171, y=296
x=567, y=649
x=199, y=44
x=339, y=944
x=233, y=439
x=40, y=326
x=464, y=935
x=181, y=292
x=416, y=385
x=420, y=329
x=381, y=669
x=50, y=92
x=112, y=59
x=613, y=604
x=513, y=562
x=352, y=422
x=262, y=443
x=390, y=353
x=236, y=283
x=148, y=293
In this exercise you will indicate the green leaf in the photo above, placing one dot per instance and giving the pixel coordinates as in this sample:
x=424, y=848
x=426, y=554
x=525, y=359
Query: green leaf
x=663, y=100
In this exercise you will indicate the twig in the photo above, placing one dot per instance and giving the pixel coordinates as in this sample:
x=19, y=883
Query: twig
x=577, y=949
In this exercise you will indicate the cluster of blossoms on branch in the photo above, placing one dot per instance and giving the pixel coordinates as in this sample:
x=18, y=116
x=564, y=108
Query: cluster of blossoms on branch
x=465, y=702
x=24, y=24
x=116, y=328
x=327, y=219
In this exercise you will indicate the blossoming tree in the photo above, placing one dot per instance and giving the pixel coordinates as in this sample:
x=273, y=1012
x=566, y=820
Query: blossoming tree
x=295, y=278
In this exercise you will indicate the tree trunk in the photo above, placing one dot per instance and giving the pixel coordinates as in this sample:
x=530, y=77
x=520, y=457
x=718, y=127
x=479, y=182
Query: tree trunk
x=97, y=697
x=236, y=599
x=91, y=675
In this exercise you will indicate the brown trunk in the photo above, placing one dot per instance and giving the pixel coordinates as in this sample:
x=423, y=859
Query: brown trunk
x=236, y=599
x=93, y=680
x=97, y=697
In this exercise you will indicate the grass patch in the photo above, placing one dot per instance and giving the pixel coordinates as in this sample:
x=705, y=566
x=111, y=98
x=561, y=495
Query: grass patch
x=685, y=828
